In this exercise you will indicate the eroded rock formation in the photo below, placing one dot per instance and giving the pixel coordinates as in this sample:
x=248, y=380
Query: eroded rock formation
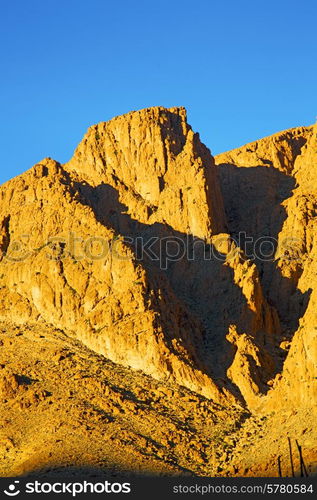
x=275, y=178
x=199, y=272
x=140, y=177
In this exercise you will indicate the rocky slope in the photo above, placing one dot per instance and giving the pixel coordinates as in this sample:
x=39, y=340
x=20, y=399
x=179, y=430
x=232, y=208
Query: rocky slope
x=63, y=405
x=198, y=272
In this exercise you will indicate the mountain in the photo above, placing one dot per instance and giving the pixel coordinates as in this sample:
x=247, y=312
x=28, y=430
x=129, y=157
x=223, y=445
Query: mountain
x=187, y=279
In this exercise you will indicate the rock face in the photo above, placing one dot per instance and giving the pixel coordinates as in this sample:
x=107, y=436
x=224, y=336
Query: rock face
x=60, y=267
x=159, y=168
x=133, y=248
x=276, y=179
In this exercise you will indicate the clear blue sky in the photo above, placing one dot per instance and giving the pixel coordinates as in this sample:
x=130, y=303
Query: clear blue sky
x=243, y=69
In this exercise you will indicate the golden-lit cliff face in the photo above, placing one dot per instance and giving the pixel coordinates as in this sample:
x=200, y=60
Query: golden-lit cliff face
x=199, y=272
x=270, y=189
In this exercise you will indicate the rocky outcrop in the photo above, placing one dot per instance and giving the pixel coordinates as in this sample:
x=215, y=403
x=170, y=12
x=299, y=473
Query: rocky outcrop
x=298, y=386
x=70, y=256
x=64, y=267
x=276, y=178
x=159, y=168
